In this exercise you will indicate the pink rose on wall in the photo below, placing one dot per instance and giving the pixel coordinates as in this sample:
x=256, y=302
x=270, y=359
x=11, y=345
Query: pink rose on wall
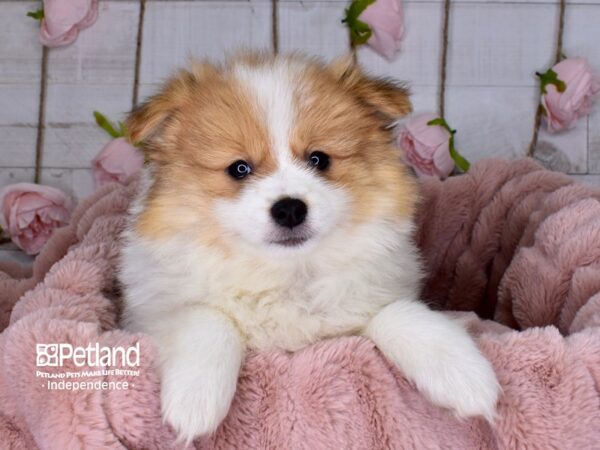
x=386, y=19
x=568, y=90
x=378, y=23
x=63, y=19
x=426, y=148
x=427, y=144
x=116, y=162
x=30, y=212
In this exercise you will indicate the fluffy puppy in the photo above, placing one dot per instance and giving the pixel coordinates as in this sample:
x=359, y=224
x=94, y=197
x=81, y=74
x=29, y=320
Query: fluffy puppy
x=276, y=213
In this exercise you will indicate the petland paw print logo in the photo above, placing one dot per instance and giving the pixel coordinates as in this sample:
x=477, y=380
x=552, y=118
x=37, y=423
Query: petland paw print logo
x=93, y=355
x=46, y=355
x=90, y=366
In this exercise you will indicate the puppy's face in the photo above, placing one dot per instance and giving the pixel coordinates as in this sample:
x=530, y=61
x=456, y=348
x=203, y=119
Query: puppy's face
x=271, y=154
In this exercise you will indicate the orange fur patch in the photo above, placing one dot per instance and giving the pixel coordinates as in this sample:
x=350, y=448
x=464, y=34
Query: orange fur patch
x=351, y=124
x=205, y=122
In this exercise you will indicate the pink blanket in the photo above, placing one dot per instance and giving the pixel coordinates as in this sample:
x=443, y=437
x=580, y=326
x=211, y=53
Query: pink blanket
x=510, y=241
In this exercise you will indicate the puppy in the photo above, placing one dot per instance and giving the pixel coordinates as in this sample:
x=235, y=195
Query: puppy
x=275, y=213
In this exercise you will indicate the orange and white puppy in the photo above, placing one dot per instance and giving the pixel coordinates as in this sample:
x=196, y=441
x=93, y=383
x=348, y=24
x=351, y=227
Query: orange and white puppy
x=276, y=213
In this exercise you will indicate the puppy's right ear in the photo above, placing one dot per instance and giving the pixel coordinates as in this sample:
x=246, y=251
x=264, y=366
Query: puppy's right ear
x=146, y=121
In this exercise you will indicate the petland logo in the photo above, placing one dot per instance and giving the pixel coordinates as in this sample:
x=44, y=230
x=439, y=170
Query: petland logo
x=56, y=355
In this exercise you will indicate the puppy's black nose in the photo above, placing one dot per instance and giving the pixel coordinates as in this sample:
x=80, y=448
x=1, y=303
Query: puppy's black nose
x=289, y=212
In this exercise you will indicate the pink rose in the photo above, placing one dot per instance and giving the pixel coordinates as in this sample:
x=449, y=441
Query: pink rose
x=29, y=214
x=63, y=19
x=564, y=108
x=386, y=20
x=426, y=148
x=117, y=161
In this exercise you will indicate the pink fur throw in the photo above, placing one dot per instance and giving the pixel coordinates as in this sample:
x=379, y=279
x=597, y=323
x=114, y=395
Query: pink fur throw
x=511, y=241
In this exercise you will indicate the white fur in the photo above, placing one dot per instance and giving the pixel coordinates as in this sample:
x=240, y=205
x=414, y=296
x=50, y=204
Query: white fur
x=203, y=307
x=437, y=354
x=275, y=301
x=196, y=392
x=272, y=89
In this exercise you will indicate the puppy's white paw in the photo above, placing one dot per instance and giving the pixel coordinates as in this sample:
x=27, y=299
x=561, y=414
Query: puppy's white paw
x=201, y=355
x=437, y=354
x=195, y=405
x=460, y=379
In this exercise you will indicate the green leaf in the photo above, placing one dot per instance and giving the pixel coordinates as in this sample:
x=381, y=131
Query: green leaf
x=441, y=122
x=122, y=129
x=37, y=15
x=360, y=32
x=551, y=77
x=107, y=126
x=460, y=161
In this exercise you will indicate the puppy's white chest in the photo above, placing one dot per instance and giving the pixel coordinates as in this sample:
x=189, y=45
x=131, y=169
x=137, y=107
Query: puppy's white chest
x=272, y=304
x=294, y=314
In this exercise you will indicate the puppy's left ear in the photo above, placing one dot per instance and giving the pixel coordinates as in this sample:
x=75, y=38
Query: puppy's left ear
x=388, y=97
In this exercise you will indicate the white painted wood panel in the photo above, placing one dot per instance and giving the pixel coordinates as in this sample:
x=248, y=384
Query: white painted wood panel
x=491, y=121
x=176, y=31
x=582, y=37
x=500, y=45
x=590, y=179
x=498, y=122
x=94, y=73
x=18, y=124
x=496, y=46
x=17, y=144
x=103, y=53
x=572, y=144
x=78, y=183
x=314, y=28
x=418, y=61
x=20, y=50
x=10, y=175
x=147, y=90
x=20, y=59
x=424, y=98
x=72, y=145
x=72, y=137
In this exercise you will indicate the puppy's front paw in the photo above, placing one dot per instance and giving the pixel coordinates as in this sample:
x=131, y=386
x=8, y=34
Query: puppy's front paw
x=195, y=405
x=462, y=380
x=438, y=355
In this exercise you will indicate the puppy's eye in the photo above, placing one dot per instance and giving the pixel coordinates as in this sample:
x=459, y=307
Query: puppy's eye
x=239, y=169
x=319, y=160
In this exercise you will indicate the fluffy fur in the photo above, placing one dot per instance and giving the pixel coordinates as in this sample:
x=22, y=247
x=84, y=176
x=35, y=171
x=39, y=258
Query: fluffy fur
x=205, y=273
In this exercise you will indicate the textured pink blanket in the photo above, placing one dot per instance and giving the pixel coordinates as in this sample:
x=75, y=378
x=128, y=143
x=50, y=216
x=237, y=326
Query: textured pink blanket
x=510, y=241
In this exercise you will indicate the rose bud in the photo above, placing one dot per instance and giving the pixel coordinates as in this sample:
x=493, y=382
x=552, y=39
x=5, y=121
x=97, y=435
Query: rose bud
x=63, y=19
x=568, y=90
x=116, y=162
x=426, y=148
